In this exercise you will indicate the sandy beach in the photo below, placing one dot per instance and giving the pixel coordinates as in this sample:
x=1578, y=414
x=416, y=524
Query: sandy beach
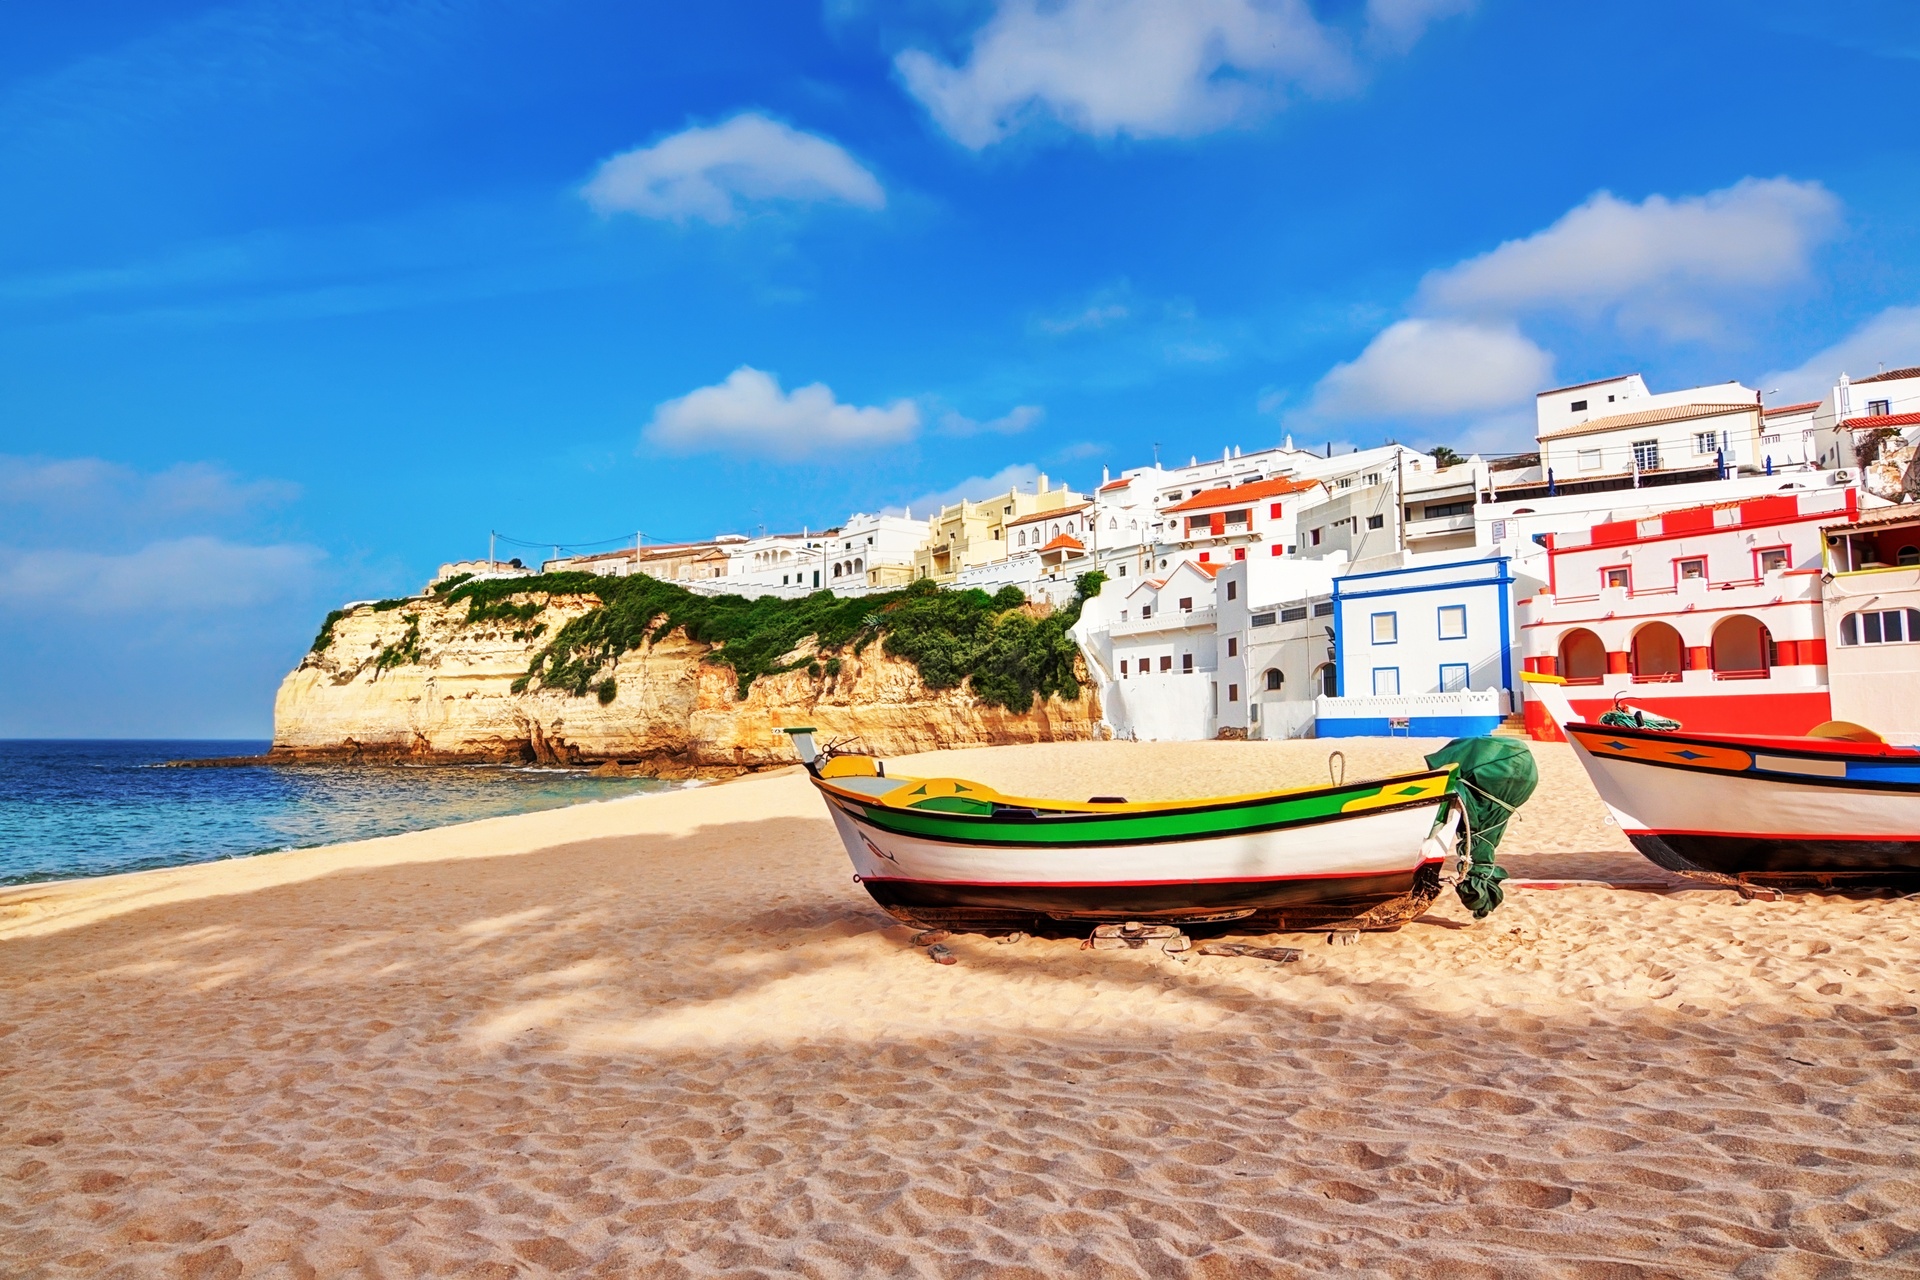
x=669, y=1036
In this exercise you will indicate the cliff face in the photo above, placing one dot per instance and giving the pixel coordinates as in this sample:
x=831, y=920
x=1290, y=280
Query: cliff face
x=383, y=690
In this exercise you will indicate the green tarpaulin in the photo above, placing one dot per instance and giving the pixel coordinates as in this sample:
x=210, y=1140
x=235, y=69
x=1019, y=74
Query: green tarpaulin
x=1496, y=777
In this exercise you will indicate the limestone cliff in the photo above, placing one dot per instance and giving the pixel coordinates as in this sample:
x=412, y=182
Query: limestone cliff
x=418, y=682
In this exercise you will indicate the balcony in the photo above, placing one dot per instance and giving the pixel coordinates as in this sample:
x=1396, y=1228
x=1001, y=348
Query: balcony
x=1170, y=620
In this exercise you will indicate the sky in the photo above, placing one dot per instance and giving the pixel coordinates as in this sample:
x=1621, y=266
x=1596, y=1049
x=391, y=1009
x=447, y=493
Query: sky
x=299, y=300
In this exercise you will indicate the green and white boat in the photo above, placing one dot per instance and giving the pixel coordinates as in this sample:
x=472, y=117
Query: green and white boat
x=953, y=853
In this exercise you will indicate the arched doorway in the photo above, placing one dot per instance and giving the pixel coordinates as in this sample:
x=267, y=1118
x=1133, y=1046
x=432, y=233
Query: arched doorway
x=1274, y=679
x=1583, y=657
x=1328, y=678
x=1657, y=654
x=1742, y=649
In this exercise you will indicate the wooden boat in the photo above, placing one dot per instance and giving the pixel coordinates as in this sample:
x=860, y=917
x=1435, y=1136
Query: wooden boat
x=953, y=853
x=1833, y=808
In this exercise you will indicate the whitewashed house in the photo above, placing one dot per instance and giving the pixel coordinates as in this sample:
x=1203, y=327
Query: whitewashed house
x=873, y=552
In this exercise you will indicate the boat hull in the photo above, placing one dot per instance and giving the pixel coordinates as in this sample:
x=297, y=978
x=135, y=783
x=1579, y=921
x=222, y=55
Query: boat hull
x=1373, y=868
x=1716, y=805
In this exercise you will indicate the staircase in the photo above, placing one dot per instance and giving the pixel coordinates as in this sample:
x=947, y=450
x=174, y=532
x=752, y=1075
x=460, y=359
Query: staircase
x=1512, y=727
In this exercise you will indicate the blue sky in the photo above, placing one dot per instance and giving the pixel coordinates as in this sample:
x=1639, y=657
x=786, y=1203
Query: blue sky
x=299, y=299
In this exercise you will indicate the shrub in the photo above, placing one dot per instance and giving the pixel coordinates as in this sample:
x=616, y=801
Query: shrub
x=607, y=691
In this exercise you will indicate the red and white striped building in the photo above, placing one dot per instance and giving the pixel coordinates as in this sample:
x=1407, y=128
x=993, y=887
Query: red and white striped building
x=1710, y=615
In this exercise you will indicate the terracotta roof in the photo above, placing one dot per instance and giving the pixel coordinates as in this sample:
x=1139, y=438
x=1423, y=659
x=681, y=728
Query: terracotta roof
x=1277, y=487
x=1046, y=515
x=1065, y=542
x=1790, y=408
x=1208, y=567
x=1877, y=516
x=1121, y=483
x=1646, y=418
x=1597, y=382
x=1891, y=375
x=1882, y=420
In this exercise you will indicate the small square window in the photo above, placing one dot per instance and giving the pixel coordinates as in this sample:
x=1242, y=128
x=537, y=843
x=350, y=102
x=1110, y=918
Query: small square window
x=1186, y=604
x=1233, y=693
x=1146, y=611
x=1614, y=577
x=1589, y=460
x=1453, y=677
x=1186, y=662
x=1694, y=570
x=1313, y=537
x=1386, y=628
x=1706, y=442
x=1879, y=408
x=1376, y=522
x=1386, y=682
x=1773, y=560
x=1453, y=622
x=1274, y=511
x=1166, y=662
x=1578, y=406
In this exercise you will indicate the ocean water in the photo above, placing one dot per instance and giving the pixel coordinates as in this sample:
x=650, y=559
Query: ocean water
x=75, y=808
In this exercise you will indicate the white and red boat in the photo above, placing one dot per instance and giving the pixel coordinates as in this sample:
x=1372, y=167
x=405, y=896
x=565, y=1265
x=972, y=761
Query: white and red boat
x=1835, y=807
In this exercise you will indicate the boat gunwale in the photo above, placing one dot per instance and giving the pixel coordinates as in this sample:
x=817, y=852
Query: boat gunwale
x=1752, y=770
x=1070, y=811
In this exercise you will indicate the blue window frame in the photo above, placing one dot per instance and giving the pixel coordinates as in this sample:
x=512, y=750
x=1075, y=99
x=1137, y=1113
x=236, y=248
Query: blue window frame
x=1453, y=622
x=1453, y=677
x=1386, y=628
x=1386, y=681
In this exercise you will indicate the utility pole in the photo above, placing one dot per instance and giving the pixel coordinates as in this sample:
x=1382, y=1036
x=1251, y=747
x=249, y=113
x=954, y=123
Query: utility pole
x=491, y=535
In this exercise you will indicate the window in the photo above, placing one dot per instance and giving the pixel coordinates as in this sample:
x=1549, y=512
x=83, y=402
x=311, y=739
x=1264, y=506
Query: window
x=1453, y=677
x=1296, y=613
x=1166, y=662
x=1345, y=482
x=1706, y=441
x=1908, y=557
x=1440, y=510
x=1881, y=626
x=1146, y=611
x=1313, y=537
x=1273, y=512
x=1376, y=522
x=1262, y=619
x=1386, y=628
x=1646, y=455
x=1239, y=553
x=1323, y=609
x=1186, y=662
x=1123, y=668
x=1589, y=459
x=1453, y=622
x=1122, y=570
x=1879, y=408
x=1694, y=570
x=1578, y=406
x=1615, y=577
x=1233, y=693
x=1233, y=646
x=1233, y=591
x=1274, y=679
x=1186, y=604
x=1773, y=560
x=1386, y=682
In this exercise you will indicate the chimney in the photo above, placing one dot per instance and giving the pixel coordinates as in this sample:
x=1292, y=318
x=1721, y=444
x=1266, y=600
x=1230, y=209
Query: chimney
x=1040, y=485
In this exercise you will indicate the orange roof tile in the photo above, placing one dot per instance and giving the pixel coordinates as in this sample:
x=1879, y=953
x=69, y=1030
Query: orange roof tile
x=1233, y=496
x=1789, y=408
x=1891, y=375
x=1121, y=483
x=1065, y=542
x=1883, y=420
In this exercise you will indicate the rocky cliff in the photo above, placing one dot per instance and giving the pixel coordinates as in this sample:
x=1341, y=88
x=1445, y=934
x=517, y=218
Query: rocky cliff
x=419, y=682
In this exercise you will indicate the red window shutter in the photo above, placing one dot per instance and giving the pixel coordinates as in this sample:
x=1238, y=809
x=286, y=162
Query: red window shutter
x=1218, y=523
x=1274, y=510
x=1239, y=553
x=1278, y=549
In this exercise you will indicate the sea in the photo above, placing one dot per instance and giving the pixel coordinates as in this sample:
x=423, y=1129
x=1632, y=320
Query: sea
x=78, y=808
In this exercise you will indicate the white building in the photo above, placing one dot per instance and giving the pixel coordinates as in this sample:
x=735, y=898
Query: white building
x=873, y=552
x=778, y=564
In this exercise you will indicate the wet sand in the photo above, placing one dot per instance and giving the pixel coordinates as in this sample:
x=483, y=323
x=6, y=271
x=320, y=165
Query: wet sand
x=668, y=1035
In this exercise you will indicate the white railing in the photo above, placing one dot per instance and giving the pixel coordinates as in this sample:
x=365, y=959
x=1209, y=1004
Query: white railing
x=1466, y=702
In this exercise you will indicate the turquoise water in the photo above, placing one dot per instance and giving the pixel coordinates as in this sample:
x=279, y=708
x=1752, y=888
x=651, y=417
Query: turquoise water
x=76, y=808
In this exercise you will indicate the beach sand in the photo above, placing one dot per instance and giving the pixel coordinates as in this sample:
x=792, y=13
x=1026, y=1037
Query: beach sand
x=668, y=1035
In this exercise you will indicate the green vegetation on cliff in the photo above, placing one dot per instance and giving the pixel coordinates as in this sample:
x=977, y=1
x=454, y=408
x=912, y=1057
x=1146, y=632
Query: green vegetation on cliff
x=994, y=643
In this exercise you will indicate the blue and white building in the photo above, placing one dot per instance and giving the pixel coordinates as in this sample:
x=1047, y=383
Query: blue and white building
x=1424, y=649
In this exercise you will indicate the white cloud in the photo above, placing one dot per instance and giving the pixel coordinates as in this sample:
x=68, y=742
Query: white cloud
x=1397, y=24
x=1665, y=265
x=94, y=485
x=710, y=172
x=1434, y=368
x=1145, y=68
x=750, y=411
x=1891, y=338
x=1020, y=475
x=173, y=576
x=1096, y=315
x=1014, y=421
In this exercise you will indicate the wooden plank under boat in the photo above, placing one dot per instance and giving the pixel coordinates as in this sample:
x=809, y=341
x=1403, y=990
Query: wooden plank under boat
x=950, y=852
x=1817, y=810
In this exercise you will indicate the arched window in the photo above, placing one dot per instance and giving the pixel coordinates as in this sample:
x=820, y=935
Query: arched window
x=1113, y=522
x=1329, y=680
x=1657, y=654
x=1583, y=658
x=860, y=565
x=1742, y=649
x=1274, y=679
x=1908, y=556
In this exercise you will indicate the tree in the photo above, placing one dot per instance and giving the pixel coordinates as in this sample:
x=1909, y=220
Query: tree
x=1445, y=457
